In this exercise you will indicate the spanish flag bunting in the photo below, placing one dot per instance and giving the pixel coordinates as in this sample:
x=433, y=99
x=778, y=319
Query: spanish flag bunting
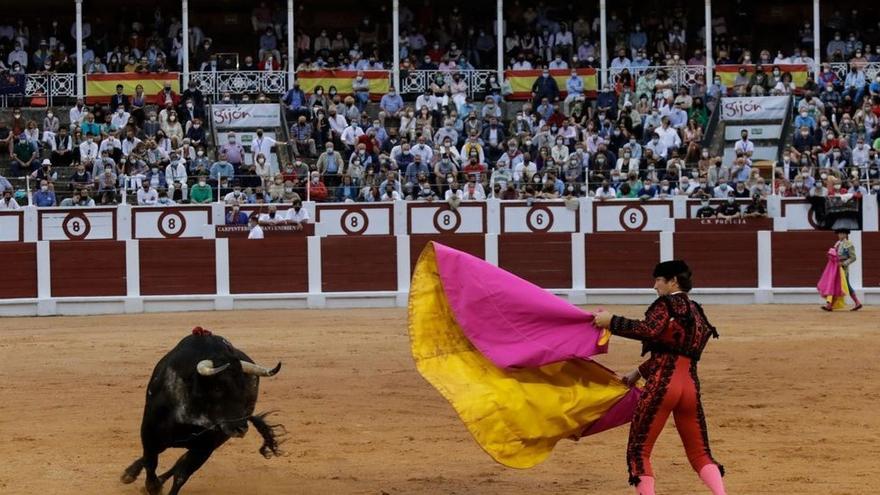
x=521, y=81
x=343, y=79
x=101, y=87
x=800, y=73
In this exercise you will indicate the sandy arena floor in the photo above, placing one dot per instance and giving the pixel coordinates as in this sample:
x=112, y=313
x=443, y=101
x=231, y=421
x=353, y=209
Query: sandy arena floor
x=790, y=393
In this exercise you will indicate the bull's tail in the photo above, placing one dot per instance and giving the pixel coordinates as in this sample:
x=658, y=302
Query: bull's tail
x=273, y=434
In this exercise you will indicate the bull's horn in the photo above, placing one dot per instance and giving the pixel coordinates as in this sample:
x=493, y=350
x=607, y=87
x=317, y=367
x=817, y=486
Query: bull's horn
x=206, y=368
x=253, y=369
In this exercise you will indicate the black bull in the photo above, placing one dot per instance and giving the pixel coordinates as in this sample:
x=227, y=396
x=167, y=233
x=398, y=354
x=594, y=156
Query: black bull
x=200, y=394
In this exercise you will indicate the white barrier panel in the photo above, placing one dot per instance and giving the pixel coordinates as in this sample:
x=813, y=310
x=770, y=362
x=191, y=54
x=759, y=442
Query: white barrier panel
x=439, y=218
x=78, y=224
x=539, y=217
x=169, y=222
x=11, y=226
x=798, y=215
x=354, y=219
x=628, y=216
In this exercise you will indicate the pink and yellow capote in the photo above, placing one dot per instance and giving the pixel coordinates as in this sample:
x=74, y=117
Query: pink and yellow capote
x=833, y=286
x=512, y=359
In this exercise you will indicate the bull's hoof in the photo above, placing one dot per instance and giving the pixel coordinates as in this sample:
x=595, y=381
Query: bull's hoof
x=127, y=478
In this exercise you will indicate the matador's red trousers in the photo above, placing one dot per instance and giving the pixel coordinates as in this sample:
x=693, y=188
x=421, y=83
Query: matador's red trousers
x=672, y=387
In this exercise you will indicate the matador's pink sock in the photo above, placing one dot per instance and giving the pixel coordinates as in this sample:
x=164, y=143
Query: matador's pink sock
x=645, y=486
x=711, y=476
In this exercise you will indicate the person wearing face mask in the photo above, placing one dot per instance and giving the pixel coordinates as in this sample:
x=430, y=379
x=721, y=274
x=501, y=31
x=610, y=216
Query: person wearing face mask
x=147, y=195
x=201, y=192
x=728, y=209
x=391, y=103
x=544, y=87
x=804, y=140
x=44, y=196
x=317, y=191
x=176, y=177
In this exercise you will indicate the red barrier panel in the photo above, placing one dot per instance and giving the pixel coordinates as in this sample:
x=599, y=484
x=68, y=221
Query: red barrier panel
x=87, y=268
x=621, y=260
x=543, y=259
x=19, y=270
x=177, y=266
x=719, y=259
x=358, y=263
x=474, y=244
x=870, y=255
x=268, y=265
x=799, y=257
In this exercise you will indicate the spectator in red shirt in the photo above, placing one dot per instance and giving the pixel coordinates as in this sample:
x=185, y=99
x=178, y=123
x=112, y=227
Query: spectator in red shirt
x=317, y=189
x=167, y=94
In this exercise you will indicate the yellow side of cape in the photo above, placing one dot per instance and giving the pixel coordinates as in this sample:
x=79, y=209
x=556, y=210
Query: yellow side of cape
x=515, y=415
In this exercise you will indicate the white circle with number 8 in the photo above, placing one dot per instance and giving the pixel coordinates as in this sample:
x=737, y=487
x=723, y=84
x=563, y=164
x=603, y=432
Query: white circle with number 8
x=76, y=226
x=171, y=224
x=354, y=222
x=447, y=220
x=633, y=218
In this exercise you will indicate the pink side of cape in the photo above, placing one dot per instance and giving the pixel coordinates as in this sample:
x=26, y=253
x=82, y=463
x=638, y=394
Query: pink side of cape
x=830, y=283
x=512, y=322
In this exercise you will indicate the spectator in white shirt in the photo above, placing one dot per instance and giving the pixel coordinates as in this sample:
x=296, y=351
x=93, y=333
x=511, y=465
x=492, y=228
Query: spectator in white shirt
x=175, y=177
x=297, y=215
x=256, y=231
x=473, y=191
x=605, y=191
x=146, y=195
x=120, y=118
x=350, y=136
x=427, y=100
x=273, y=217
x=129, y=143
x=390, y=194
x=88, y=149
x=657, y=146
x=337, y=122
x=8, y=202
x=262, y=144
x=744, y=146
x=423, y=150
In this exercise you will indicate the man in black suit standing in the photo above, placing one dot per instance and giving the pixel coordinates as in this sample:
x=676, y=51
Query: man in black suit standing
x=119, y=99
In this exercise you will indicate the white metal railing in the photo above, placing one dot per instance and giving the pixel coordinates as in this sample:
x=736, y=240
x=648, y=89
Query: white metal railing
x=841, y=69
x=239, y=82
x=679, y=75
x=417, y=81
x=214, y=83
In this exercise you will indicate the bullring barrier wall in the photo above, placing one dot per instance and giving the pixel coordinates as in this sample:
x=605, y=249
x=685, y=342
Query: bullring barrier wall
x=129, y=259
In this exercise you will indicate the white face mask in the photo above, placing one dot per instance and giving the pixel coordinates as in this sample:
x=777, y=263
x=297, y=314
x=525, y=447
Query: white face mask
x=44, y=188
x=202, y=183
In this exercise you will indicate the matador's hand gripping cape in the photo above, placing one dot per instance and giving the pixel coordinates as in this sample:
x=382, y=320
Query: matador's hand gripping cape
x=511, y=358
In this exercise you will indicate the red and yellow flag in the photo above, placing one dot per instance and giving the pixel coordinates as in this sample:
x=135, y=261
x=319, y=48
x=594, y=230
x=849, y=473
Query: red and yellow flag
x=100, y=87
x=343, y=79
x=521, y=81
x=800, y=73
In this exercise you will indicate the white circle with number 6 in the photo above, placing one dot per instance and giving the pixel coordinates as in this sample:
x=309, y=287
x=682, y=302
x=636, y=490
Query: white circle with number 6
x=633, y=217
x=539, y=219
